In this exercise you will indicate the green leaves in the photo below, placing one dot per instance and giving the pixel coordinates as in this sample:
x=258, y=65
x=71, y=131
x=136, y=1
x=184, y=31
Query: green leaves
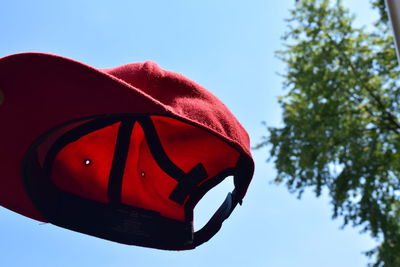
x=341, y=119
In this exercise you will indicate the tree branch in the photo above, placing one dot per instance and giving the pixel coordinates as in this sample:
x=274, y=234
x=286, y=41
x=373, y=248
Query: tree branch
x=388, y=116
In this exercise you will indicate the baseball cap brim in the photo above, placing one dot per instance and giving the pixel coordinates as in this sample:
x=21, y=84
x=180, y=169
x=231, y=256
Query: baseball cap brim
x=42, y=91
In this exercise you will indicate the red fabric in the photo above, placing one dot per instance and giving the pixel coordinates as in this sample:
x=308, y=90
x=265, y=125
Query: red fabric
x=185, y=98
x=83, y=167
x=42, y=91
x=145, y=185
x=187, y=146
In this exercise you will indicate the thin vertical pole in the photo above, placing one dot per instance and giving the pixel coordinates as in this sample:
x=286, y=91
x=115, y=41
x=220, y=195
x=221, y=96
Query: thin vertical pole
x=393, y=7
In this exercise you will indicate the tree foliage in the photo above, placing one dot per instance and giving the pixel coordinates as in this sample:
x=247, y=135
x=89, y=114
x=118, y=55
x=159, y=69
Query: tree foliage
x=341, y=128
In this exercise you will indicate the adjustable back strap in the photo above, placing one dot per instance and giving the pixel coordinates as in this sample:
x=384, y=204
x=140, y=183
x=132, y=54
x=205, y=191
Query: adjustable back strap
x=244, y=170
x=215, y=223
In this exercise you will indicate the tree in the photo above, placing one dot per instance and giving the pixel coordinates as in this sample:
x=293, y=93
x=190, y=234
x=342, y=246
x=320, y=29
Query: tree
x=341, y=112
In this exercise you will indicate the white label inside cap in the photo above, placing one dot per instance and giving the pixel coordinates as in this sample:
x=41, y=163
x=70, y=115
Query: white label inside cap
x=1, y=97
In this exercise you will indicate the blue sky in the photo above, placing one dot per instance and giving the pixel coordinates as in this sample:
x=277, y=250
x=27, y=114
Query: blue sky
x=228, y=47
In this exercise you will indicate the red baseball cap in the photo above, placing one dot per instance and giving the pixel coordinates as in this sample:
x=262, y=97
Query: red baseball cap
x=123, y=154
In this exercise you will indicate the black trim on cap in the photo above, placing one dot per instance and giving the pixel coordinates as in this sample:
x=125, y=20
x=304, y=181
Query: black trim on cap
x=186, y=186
x=186, y=181
x=121, y=223
x=119, y=161
x=158, y=151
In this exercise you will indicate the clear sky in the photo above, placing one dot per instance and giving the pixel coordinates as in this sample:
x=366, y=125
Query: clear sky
x=228, y=47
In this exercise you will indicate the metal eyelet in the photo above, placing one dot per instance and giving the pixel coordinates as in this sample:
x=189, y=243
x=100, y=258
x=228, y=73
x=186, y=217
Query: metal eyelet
x=142, y=174
x=87, y=162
